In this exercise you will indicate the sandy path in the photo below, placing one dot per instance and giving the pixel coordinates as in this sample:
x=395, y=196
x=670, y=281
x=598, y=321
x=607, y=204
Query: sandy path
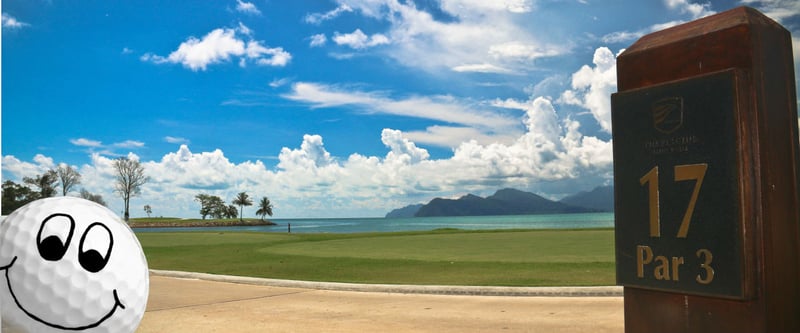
x=185, y=305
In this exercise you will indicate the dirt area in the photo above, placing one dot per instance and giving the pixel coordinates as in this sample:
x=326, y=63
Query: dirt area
x=187, y=305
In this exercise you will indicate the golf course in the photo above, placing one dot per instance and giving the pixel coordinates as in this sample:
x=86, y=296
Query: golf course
x=582, y=257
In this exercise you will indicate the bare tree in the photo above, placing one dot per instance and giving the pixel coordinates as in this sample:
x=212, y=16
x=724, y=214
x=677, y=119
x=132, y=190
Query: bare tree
x=130, y=178
x=68, y=177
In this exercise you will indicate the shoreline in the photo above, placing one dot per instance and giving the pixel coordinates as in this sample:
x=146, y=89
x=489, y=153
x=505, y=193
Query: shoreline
x=200, y=224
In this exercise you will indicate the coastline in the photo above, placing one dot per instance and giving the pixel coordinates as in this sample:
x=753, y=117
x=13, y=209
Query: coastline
x=200, y=223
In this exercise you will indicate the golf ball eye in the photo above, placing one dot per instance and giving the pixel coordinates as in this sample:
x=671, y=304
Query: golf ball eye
x=95, y=247
x=54, y=236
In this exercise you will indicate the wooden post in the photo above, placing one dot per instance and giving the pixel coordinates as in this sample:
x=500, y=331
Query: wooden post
x=706, y=177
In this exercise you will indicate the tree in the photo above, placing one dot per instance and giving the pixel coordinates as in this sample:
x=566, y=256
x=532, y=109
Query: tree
x=130, y=177
x=68, y=177
x=148, y=210
x=92, y=197
x=264, y=208
x=45, y=183
x=212, y=205
x=242, y=199
x=15, y=196
x=231, y=212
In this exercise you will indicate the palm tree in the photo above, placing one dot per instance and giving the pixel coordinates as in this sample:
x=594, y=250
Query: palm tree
x=264, y=208
x=242, y=199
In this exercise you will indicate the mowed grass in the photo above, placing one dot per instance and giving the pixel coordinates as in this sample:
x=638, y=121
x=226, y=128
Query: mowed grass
x=447, y=257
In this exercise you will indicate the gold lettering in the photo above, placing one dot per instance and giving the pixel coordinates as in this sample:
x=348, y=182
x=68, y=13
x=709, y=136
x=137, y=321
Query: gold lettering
x=644, y=255
x=662, y=270
x=676, y=262
x=707, y=257
x=651, y=178
x=690, y=172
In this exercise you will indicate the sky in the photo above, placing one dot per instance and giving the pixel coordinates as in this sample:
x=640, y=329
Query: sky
x=330, y=108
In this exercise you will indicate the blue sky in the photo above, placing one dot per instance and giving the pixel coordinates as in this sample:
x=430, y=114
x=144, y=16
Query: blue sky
x=333, y=108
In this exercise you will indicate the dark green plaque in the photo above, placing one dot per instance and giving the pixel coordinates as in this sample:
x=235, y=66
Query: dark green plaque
x=679, y=222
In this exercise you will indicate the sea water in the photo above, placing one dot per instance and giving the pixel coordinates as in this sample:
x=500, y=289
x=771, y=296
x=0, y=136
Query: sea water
x=352, y=225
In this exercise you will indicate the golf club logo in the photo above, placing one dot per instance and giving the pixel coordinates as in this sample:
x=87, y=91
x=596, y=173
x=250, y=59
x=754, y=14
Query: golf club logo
x=667, y=114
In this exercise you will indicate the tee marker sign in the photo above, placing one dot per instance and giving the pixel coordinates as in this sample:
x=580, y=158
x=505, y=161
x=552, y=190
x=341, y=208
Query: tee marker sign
x=707, y=178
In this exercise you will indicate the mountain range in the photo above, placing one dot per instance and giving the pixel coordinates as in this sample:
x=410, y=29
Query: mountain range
x=512, y=202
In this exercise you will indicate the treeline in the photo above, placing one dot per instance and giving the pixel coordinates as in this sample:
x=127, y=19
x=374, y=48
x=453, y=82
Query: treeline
x=61, y=179
x=129, y=177
x=214, y=207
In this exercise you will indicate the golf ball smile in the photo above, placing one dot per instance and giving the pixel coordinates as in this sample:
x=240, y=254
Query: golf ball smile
x=117, y=303
x=70, y=265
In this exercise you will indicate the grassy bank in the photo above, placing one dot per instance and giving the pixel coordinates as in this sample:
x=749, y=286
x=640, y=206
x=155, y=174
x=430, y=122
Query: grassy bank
x=449, y=257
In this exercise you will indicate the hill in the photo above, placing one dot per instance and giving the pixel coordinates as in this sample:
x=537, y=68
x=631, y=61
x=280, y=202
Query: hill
x=600, y=198
x=503, y=202
x=407, y=211
x=512, y=202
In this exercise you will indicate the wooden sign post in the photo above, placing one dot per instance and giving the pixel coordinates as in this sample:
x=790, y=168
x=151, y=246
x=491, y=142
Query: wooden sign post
x=706, y=167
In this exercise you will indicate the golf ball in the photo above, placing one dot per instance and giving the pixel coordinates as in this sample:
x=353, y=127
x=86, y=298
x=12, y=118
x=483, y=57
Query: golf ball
x=69, y=264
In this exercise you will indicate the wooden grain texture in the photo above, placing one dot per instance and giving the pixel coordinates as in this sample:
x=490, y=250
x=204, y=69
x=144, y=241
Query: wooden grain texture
x=761, y=50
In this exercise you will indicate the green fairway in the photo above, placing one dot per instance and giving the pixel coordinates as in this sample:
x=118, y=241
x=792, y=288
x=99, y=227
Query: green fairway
x=450, y=257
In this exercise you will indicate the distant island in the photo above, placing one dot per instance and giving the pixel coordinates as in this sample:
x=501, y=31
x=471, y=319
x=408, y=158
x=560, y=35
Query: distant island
x=512, y=202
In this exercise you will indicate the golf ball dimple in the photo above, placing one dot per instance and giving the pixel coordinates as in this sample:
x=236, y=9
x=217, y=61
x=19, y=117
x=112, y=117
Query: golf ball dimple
x=69, y=264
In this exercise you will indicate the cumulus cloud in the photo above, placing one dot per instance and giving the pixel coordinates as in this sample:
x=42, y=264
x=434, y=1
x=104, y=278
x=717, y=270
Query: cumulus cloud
x=308, y=181
x=222, y=45
x=549, y=155
x=11, y=22
x=592, y=86
x=247, y=7
x=359, y=40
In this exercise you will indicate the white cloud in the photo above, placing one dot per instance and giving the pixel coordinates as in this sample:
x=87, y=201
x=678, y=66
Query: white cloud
x=537, y=151
x=318, y=40
x=778, y=10
x=129, y=144
x=317, y=18
x=628, y=36
x=453, y=136
x=11, y=22
x=592, y=87
x=247, y=7
x=86, y=142
x=276, y=83
x=696, y=10
x=523, y=51
x=483, y=36
x=470, y=6
x=440, y=108
x=481, y=68
x=176, y=140
x=220, y=45
x=359, y=40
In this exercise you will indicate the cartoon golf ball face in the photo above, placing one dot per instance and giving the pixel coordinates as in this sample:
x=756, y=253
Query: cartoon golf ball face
x=69, y=264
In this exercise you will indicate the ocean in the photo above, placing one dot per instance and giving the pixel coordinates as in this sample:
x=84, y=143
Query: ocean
x=353, y=225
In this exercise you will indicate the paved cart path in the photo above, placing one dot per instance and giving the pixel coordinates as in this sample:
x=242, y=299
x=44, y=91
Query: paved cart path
x=191, y=305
